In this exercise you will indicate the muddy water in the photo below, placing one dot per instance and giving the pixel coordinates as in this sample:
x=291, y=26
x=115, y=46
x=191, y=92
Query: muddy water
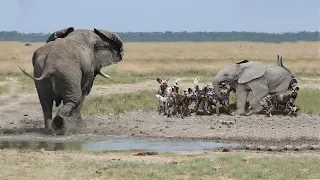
x=113, y=143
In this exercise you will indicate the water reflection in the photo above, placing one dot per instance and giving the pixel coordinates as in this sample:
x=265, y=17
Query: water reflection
x=160, y=145
x=46, y=145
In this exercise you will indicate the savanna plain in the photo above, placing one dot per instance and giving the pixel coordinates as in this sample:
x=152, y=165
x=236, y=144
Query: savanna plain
x=125, y=105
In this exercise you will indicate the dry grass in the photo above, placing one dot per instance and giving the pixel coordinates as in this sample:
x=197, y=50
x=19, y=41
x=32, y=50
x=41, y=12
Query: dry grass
x=222, y=50
x=83, y=165
x=182, y=58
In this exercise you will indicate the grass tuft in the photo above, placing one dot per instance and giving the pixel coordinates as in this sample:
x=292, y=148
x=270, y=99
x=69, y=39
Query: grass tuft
x=284, y=167
x=3, y=89
x=83, y=165
x=308, y=101
x=120, y=103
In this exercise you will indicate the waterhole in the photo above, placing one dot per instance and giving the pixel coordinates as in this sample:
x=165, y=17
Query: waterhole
x=115, y=143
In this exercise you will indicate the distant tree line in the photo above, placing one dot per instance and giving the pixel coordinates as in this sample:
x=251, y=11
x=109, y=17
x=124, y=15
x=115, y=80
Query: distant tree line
x=170, y=36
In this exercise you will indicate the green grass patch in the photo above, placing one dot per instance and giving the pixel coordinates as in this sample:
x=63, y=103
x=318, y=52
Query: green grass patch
x=195, y=168
x=83, y=165
x=120, y=77
x=308, y=100
x=270, y=167
x=121, y=103
x=12, y=74
x=128, y=77
x=27, y=84
x=4, y=89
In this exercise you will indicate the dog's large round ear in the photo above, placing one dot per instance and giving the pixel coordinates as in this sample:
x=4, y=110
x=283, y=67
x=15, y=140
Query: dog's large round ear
x=159, y=80
x=297, y=88
x=189, y=90
x=178, y=82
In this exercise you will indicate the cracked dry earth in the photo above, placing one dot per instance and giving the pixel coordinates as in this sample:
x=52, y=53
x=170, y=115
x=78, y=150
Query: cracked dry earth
x=21, y=114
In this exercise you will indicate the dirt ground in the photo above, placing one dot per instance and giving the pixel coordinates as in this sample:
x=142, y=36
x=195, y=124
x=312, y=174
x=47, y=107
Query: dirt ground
x=21, y=114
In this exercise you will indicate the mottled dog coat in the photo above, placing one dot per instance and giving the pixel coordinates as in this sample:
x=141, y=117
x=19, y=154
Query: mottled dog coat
x=225, y=89
x=206, y=97
x=162, y=92
x=282, y=102
x=167, y=97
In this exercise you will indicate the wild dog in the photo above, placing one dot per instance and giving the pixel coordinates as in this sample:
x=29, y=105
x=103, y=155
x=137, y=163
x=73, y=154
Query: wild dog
x=206, y=97
x=179, y=105
x=293, y=83
x=281, y=102
x=183, y=101
x=168, y=98
x=202, y=96
x=225, y=89
x=190, y=97
x=161, y=93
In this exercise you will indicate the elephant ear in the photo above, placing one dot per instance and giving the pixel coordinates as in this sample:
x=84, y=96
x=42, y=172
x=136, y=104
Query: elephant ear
x=111, y=38
x=250, y=71
x=62, y=33
x=242, y=61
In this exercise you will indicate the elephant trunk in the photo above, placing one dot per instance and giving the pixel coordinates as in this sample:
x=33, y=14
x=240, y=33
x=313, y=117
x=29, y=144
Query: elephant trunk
x=215, y=84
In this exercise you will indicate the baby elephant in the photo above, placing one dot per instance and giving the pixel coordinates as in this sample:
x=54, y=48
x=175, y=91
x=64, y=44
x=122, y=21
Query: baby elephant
x=282, y=102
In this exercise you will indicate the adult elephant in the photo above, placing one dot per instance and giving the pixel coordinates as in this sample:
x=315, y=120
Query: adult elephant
x=256, y=77
x=65, y=68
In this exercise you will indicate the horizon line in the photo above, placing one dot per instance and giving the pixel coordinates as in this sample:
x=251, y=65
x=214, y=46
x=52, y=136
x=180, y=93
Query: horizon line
x=167, y=31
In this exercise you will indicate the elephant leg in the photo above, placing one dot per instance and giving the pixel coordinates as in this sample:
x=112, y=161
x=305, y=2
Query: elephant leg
x=77, y=111
x=77, y=114
x=217, y=108
x=72, y=99
x=241, y=99
x=259, y=91
x=47, y=112
x=46, y=103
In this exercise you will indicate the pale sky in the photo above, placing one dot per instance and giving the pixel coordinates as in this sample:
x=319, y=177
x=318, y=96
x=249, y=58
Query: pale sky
x=162, y=15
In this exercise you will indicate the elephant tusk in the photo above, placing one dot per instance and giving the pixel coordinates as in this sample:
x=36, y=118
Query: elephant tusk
x=104, y=75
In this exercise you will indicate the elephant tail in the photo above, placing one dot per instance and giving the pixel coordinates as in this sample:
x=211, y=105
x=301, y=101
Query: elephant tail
x=281, y=64
x=44, y=75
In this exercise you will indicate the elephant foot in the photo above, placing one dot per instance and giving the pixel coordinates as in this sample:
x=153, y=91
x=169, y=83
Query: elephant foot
x=249, y=113
x=60, y=125
x=238, y=112
x=81, y=123
x=48, y=124
x=48, y=131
